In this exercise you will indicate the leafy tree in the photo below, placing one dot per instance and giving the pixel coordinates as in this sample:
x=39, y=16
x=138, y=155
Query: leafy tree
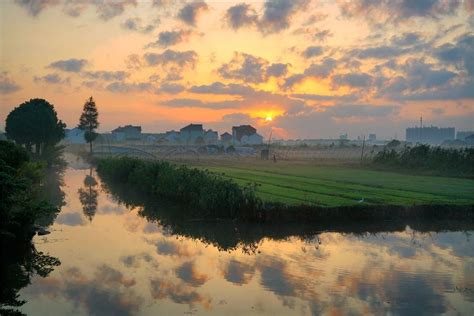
x=89, y=121
x=35, y=122
x=88, y=196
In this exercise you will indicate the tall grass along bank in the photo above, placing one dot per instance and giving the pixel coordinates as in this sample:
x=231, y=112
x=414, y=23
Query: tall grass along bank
x=208, y=195
x=443, y=161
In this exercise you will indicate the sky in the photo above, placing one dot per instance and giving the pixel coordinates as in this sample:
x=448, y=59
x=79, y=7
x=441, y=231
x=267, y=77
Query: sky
x=298, y=68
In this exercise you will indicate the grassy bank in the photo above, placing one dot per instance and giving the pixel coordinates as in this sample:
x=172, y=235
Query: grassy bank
x=337, y=186
x=276, y=192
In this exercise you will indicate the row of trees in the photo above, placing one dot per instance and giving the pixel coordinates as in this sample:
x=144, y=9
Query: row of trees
x=35, y=124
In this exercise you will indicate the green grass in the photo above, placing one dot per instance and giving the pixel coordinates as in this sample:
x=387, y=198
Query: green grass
x=341, y=186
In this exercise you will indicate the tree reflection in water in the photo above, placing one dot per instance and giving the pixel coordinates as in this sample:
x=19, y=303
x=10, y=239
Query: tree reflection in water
x=88, y=196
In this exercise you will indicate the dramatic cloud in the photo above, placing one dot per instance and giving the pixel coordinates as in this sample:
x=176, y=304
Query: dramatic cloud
x=170, y=88
x=312, y=51
x=278, y=13
x=407, y=39
x=249, y=68
x=459, y=54
x=188, y=273
x=69, y=65
x=107, y=75
x=52, y=79
x=170, y=38
x=136, y=24
x=277, y=70
x=7, y=85
x=221, y=88
x=355, y=80
x=397, y=10
x=34, y=7
x=241, y=15
x=317, y=70
x=108, y=9
x=190, y=12
x=195, y=103
x=238, y=272
x=178, y=293
x=181, y=59
x=124, y=87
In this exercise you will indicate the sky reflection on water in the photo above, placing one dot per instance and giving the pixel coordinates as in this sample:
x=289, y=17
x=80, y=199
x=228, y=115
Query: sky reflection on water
x=116, y=262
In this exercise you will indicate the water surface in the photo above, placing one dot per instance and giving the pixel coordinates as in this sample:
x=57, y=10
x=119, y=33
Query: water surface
x=120, y=260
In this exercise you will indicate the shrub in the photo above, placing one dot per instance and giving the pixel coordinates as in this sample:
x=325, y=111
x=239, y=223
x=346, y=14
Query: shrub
x=207, y=194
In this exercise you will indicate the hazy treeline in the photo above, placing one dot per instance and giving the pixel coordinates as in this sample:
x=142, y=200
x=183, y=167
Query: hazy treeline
x=447, y=161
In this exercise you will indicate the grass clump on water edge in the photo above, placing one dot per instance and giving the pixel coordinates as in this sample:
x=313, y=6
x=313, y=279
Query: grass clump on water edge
x=206, y=194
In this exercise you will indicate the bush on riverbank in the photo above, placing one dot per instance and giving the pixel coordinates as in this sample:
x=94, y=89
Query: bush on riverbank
x=205, y=193
x=446, y=161
x=20, y=189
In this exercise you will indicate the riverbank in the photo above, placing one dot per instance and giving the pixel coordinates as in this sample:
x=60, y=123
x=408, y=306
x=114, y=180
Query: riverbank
x=300, y=193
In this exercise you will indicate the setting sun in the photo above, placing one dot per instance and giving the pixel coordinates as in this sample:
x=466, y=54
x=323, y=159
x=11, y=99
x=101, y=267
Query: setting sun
x=268, y=118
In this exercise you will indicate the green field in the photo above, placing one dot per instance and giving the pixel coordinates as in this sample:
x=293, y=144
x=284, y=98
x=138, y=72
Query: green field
x=340, y=186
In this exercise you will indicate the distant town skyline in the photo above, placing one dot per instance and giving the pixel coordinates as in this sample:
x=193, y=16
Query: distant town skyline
x=302, y=68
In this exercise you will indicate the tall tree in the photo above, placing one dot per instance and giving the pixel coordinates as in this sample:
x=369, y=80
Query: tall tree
x=35, y=122
x=89, y=121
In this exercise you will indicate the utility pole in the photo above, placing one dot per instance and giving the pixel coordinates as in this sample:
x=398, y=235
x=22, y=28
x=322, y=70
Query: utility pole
x=363, y=147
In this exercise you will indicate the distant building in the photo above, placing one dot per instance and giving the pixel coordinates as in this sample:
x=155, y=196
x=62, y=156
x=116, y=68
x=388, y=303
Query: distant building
x=75, y=136
x=372, y=137
x=190, y=133
x=226, y=138
x=429, y=135
x=127, y=132
x=462, y=135
x=254, y=139
x=211, y=137
x=343, y=136
x=246, y=135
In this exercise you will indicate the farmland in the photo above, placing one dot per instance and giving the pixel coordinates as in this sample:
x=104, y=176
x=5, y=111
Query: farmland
x=336, y=185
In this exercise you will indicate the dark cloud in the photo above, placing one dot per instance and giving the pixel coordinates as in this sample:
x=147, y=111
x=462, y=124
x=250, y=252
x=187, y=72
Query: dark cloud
x=70, y=219
x=188, y=273
x=316, y=70
x=69, y=65
x=355, y=80
x=245, y=67
x=458, y=54
x=106, y=75
x=52, y=79
x=178, y=293
x=319, y=97
x=380, y=52
x=170, y=88
x=406, y=39
x=7, y=85
x=136, y=24
x=190, y=12
x=322, y=35
x=181, y=59
x=34, y=7
x=312, y=51
x=107, y=9
x=277, y=14
x=170, y=247
x=241, y=15
x=238, y=272
x=221, y=88
x=397, y=10
x=125, y=87
x=134, y=260
x=277, y=70
x=170, y=38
